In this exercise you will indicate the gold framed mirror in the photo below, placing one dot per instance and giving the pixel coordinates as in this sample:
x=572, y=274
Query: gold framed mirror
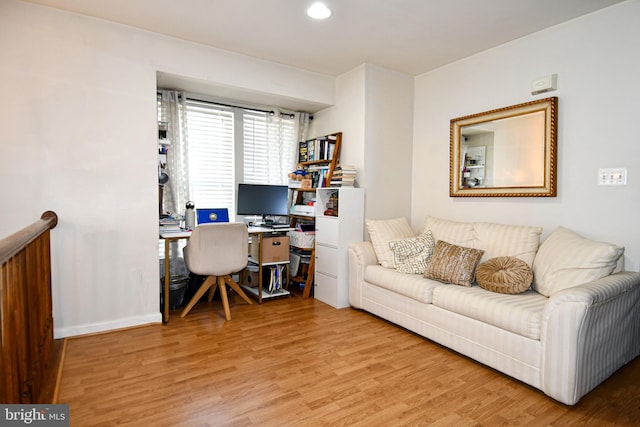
x=507, y=152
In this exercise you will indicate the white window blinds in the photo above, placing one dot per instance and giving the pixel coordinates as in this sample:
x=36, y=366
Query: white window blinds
x=211, y=166
x=269, y=141
x=226, y=145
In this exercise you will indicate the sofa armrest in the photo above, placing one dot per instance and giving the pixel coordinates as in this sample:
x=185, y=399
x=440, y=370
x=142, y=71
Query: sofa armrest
x=361, y=254
x=588, y=332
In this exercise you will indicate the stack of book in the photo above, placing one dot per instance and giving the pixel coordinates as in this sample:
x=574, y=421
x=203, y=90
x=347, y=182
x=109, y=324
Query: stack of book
x=344, y=176
x=169, y=225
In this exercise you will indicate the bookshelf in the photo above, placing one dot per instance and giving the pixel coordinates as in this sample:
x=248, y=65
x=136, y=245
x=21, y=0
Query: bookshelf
x=319, y=157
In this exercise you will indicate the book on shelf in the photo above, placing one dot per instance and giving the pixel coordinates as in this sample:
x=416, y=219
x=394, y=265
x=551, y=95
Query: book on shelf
x=317, y=149
x=342, y=184
x=319, y=175
x=343, y=176
x=303, y=153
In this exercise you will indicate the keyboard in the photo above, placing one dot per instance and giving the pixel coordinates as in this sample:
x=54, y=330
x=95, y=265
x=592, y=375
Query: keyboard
x=276, y=226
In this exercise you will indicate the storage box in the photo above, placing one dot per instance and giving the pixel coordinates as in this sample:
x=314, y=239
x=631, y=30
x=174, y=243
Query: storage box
x=306, y=210
x=301, y=239
x=274, y=248
x=251, y=275
x=251, y=278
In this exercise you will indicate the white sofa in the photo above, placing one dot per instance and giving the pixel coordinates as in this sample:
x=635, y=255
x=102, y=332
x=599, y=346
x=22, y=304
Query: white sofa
x=576, y=325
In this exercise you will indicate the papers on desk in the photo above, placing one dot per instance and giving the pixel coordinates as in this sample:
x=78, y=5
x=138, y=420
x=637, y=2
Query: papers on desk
x=170, y=227
x=181, y=234
x=169, y=224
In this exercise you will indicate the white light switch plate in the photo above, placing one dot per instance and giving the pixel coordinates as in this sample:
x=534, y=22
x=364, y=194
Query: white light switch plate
x=612, y=176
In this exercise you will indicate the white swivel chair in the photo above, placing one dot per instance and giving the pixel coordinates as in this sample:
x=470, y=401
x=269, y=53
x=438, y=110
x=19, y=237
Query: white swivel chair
x=217, y=250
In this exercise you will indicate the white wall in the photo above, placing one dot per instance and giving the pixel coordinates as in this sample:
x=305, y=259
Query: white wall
x=348, y=117
x=374, y=109
x=598, y=87
x=79, y=137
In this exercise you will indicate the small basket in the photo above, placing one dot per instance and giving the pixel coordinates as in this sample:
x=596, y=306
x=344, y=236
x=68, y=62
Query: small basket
x=301, y=239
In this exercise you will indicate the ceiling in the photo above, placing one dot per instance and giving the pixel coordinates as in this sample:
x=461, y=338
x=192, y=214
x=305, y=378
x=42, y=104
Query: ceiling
x=409, y=36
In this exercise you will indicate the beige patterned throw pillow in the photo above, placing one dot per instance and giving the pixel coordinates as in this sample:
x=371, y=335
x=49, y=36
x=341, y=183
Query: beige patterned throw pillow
x=410, y=255
x=453, y=264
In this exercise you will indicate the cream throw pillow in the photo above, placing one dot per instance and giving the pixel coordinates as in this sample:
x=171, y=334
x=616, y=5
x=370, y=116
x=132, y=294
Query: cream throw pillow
x=566, y=259
x=410, y=255
x=384, y=231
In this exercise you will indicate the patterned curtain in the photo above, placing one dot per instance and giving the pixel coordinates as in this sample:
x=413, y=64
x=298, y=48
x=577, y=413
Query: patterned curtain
x=172, y=110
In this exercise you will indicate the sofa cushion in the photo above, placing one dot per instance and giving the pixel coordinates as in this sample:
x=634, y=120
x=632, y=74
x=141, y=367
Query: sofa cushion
x=452, y=263
x=409, y=285
x=566, y=259
x=497, y=240
x=456, y=233
x=410, y=255
x=494, y=239
x=382, y=232
x=520, y=314
x=505, y=275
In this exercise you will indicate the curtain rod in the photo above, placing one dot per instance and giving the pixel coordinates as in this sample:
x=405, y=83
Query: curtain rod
x=230, y=105
x=271, y=112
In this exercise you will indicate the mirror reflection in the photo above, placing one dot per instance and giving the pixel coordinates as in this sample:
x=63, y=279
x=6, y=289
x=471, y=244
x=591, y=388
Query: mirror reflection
x=505, y=152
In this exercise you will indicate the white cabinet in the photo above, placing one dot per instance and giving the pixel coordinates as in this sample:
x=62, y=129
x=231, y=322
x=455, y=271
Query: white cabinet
x=333, y=236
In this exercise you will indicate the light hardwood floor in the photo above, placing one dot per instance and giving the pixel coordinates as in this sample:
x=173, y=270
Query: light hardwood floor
x=294, y=362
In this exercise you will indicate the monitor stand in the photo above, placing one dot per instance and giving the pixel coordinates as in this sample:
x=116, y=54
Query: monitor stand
x=265, y=222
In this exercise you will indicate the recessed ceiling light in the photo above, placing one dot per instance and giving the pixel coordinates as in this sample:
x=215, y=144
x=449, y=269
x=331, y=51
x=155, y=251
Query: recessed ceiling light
x=319, y=10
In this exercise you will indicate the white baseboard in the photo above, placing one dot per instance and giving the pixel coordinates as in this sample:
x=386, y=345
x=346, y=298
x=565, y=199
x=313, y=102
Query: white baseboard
x=93, y=328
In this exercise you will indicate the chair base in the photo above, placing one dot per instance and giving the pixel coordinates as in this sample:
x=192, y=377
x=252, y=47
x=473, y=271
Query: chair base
x=211, y=284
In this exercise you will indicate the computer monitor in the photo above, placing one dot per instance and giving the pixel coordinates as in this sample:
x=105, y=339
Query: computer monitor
x=262, y=199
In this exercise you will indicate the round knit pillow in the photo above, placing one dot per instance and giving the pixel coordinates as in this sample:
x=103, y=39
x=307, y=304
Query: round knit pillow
x=505, y=275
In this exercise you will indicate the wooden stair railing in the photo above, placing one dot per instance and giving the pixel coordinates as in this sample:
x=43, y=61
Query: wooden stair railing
x=28, y=354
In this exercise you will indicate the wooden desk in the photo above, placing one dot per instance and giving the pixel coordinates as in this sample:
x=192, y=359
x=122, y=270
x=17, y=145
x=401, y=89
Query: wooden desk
x=169, y=237
x=173, y=236
x=258, y=293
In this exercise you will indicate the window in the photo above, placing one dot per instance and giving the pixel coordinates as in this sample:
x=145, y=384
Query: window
x=211, y=152
x=228, y=145
x=269, y=144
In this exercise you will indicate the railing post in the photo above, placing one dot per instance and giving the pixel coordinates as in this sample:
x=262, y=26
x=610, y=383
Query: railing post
x=28, y=351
